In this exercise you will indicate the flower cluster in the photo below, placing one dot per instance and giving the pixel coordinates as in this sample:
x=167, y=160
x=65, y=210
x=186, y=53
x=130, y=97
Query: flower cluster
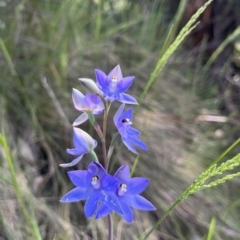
x=103, y=192
x=115, y=193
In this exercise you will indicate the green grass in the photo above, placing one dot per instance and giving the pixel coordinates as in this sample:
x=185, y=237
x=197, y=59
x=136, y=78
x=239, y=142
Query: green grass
x=44, y=48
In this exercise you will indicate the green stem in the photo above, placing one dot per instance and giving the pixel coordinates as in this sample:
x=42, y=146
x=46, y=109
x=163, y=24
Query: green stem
x=105, y=158
x=224, y=153
x=134, y=165
x=103, y=139
x=7, y=57
x=111, y=147
x=114, y=138
x=101, y=136
x=94, y=156
x=110, y=227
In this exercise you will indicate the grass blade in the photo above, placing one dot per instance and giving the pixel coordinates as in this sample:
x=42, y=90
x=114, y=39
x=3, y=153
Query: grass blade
x=30, y=221
x=192, y=23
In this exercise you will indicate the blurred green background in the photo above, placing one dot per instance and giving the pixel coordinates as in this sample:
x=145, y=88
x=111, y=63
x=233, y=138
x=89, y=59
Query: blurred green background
x=189, y=116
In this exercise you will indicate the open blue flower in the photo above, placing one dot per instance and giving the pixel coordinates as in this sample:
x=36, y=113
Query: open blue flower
x=114, y=85
x=89, y=103
x=128, y=194
x=123, y=122
x=94, y=185
x=83, y=143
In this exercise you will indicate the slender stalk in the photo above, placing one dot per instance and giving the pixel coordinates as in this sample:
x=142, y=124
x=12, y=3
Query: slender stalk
x=110, y=227
x=106, y=164
x=225, y=153
x=103, y=137
x=105, y=158
x=134, y=165
x=94, y=156
x=105, y=119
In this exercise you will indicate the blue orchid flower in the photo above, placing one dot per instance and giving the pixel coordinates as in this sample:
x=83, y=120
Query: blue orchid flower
x=89, y=103
x=123, y=122
x=128, y=194
x=94, y=185
x=114, y=85
x=83, y=143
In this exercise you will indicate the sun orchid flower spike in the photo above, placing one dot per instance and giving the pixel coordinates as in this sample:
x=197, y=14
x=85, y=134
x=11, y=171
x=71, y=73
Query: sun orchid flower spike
x=123, y=122
x=89, y=103
x=94, y=185
x=83, y=143
x=128, y=194
x=114, y=85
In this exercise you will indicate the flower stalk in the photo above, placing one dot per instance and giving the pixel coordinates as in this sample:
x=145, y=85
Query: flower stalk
x=110, y=227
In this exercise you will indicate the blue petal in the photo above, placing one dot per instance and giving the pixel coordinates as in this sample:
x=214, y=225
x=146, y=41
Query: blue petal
x=133, y=132
x=97, y=169
x=72, y=163
x=97, y=111
x=103, y=211
x=99, y=108
x=125, y=98
x=123, y=173
x=127, y=212
x=124, y=84
x=79, y=100
x=122, y=129
x=112, y=201
x=136, y=185
x=116, y=72
x=127, y=115
x=101, y=79
x=118, y=114
x=129, y=145
x=109, y=183
x=91, y=204
x=75, y=195
x=74, y=151
x=139, y=202
x=95, y=143
x=79, y=178
x=93, y=99
x=112, y=98
x=81, y=119
x=137, y=142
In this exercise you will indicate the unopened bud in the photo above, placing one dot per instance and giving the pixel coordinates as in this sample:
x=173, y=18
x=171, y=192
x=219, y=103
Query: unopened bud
x=84, y=138
x=90, y=85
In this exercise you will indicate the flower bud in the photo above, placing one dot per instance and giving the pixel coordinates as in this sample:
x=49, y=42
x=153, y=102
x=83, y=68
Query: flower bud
x=90, y=85
x=83, y=138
